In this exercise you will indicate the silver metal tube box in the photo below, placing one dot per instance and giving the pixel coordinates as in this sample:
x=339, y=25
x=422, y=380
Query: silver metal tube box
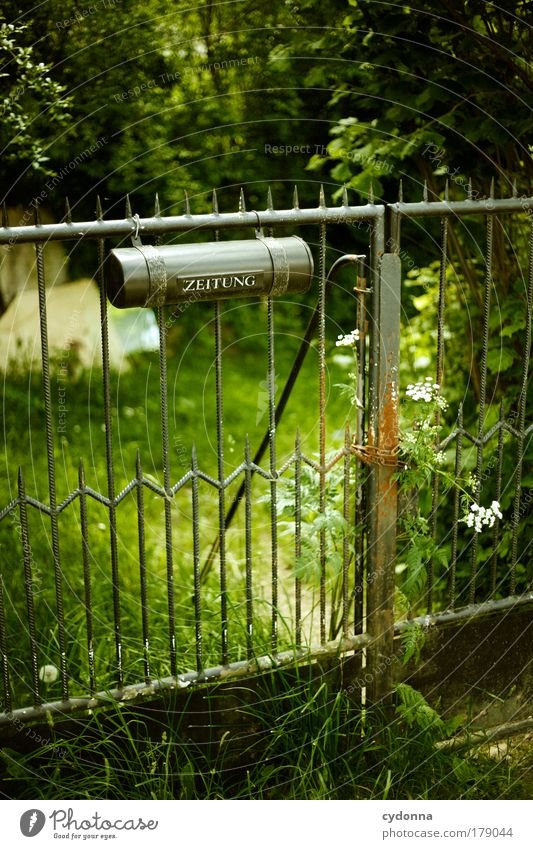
x=147, y=276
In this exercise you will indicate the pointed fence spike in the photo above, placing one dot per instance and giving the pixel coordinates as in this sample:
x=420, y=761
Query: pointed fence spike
x=187, y=204
x=20, y=478
x=322, y=197
x=37, y=217
x=214, y=202
x=138, y=463
x=515, y=190
x=81, y=474
x=469, y=190
x=447, y=190
x=345, y=195
x=270, y=202
x=157, y=207
x=425, y=192
x=371, y=193
x=297, y=440
x=68, y=211
x=194, y=459
x=5, y=215
x=491, y=190
x=128, y=213
x=295, y=199
x=400, y=191
x=242, y=201
x=99, y=210
x=246, y=449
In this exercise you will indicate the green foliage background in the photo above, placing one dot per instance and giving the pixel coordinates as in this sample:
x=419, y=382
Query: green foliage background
x=172, y=97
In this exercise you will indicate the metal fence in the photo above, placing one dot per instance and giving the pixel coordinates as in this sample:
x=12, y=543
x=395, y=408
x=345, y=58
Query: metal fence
x=497, y=431
x=169, y=625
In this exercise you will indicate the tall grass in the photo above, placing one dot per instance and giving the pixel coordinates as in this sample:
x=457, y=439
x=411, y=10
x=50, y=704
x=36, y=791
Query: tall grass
x=137, y=426
x=295, y=740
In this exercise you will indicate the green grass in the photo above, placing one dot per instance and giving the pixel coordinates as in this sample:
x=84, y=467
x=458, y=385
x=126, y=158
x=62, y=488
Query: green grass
x=137, y=426
x=306, y=742
x=297, y=739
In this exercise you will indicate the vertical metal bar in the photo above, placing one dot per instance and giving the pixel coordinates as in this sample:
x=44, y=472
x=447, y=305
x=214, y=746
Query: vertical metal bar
x=346, y=538
x=86, y=577
x=163, y=405
x=298, y=536
x=383, y=503
x=28, y=586
x=322, y=437
x=442, y=304
x=7, y=701
x=109, y=455
x=377, y=249
x=248, y=546
x=196, y=561
x=455, y=509
x=515, y=519
x=163, y=395
x=496, y=529
x=58, y=575
x=271, y=382
x=359, y=563
x=222, y=489
x=438, y=379
x=142, y=568
x=482, y=394
x=219, y=390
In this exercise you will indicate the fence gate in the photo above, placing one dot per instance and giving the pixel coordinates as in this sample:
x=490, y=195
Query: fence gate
x=175, y=596
x=199, y=562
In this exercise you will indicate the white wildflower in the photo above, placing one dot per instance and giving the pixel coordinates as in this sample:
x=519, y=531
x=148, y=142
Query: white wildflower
x=440, y=458
x=348, y=340
x=427, y=391
x=481, y=517
x=495, y=507
x=471, y=481
x=48, y=673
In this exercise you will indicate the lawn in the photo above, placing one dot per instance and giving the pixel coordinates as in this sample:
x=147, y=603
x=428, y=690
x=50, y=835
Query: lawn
x=136, y=417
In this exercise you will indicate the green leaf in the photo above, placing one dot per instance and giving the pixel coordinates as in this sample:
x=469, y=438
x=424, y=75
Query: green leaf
x=416, y=575
x=513, y=327
x=441, y=556
x=500, y=359
x=413, y=640
x=416, y=712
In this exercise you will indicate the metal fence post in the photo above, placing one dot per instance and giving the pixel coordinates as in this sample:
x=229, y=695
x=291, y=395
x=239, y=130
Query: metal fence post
x=383, y=444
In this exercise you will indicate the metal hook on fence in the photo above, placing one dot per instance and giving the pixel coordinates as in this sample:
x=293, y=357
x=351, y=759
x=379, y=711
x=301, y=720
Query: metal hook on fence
x=135, y=239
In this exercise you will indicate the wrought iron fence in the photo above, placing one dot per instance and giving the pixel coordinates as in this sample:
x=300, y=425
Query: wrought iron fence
x=486, y=435
x=183, y=614
x=213, y=619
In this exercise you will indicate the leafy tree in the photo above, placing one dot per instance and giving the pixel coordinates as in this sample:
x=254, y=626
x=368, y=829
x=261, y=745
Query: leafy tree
x=440, y=89
x=32, y=105
x=174, y=98
x=102, y=58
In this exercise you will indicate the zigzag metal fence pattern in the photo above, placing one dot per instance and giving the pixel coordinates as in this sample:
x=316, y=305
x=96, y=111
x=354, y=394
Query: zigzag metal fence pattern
x=497, y=467
x=366, y=462
x=39, y=654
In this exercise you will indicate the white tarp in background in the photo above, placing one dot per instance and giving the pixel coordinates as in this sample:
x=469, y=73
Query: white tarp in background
x=73, y=327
